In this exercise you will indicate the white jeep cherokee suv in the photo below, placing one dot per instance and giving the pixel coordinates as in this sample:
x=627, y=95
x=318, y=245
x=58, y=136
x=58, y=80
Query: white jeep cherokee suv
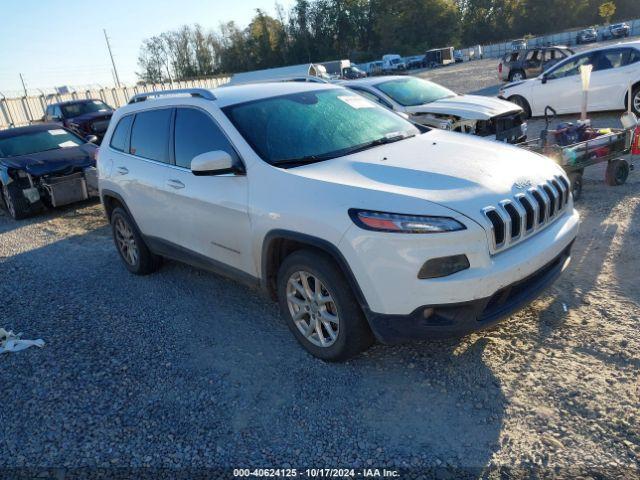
x=361, y=224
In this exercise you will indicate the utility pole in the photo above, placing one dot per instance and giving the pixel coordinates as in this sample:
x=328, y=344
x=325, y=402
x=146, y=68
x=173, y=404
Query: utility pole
x=115, y=70
x=23, y=85
x=26, y=100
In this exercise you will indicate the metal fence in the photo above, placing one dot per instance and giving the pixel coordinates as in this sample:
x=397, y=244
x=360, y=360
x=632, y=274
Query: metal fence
x=20, y=111
x=565, y=38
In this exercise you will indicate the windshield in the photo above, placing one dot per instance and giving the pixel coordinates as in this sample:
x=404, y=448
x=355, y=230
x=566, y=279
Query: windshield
x=412, y=91
x=34, y=142
x=315, y=125
x=76, y=109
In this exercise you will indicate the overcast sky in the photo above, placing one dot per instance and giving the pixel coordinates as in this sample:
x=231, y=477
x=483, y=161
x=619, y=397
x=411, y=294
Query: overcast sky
x=56, y=42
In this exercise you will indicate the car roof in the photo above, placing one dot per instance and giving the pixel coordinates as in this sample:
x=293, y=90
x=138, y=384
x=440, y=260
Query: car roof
x=373, y=80
x=227, y=95
x=632, y=44
x=38, y=127
x=74, y=102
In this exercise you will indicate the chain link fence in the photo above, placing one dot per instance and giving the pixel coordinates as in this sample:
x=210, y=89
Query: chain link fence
x=25, y=110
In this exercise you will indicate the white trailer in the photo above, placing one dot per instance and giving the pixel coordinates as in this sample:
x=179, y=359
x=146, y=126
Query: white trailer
x=292, y=72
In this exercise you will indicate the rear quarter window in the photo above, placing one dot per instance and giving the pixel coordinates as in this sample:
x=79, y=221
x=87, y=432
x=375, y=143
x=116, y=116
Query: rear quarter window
x=120, y=137
x=150, y=135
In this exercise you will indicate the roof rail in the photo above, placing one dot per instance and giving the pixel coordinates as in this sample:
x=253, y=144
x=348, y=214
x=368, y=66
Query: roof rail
x=289, y=78
x=194, y=92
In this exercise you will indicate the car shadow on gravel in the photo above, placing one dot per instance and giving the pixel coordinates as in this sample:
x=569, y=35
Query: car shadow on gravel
x=8, y=224
x=184, y=367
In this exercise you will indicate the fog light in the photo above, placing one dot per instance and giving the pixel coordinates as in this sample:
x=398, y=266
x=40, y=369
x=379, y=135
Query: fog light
x=443, y=266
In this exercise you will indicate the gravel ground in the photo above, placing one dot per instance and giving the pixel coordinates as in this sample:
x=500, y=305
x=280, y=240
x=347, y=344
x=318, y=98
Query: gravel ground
x=186, y=369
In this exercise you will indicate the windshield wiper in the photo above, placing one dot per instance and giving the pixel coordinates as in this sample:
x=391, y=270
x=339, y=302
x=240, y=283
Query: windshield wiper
x=389, y=138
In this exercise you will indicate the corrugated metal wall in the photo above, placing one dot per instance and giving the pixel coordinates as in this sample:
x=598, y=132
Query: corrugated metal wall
x=19, y=111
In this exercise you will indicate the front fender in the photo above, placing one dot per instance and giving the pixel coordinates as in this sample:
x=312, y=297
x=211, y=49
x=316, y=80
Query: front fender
x=4, y=175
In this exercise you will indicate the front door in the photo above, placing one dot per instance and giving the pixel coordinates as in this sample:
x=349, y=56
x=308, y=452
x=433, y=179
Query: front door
x=207, y=215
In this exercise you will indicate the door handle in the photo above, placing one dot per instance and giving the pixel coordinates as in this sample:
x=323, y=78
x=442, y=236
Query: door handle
x=177, y=184
x=122, y=170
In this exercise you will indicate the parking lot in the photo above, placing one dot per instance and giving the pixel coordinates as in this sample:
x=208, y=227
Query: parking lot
x=187, y=369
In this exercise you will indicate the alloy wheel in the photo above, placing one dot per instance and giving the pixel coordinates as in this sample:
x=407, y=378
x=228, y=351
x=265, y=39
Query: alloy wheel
x=516, y=77
x=313, y=309
x=636, y=101
x=126, y=242
x=8, y=201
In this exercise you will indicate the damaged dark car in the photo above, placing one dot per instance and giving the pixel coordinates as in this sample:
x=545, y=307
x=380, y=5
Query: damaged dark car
x=45, y=166
x=84, y=117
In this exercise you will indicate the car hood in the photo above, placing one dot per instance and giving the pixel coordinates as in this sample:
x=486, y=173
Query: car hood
x=457, y=171
x=471, y=107
x=53, y=161
x=90, y=117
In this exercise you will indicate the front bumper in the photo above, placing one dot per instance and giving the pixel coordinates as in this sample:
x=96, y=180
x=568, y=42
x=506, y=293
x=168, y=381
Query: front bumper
x=445, y=320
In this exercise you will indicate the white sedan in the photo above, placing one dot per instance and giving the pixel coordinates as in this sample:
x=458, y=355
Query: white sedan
x=560, y=87
x=433, y=105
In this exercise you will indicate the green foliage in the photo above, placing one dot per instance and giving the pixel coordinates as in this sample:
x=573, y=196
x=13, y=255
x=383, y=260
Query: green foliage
x=606, y=11
x=362, y=30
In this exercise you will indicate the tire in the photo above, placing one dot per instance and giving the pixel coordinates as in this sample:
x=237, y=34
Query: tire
x=132, y=249
x=617, y=173
x=345, y=336
x=15, y=203
x=517, y=75
x=576, y=185
x=635, y=101
x=522, y=103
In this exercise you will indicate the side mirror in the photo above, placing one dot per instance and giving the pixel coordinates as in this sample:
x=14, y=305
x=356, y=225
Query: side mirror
x=214, y=163
x=544, y=79
x=91, y=139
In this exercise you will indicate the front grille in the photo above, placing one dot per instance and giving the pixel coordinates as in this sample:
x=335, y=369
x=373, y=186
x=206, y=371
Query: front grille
x=516, y=219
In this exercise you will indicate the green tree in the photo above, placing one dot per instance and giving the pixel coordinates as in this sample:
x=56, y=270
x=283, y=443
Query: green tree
x=606, y=11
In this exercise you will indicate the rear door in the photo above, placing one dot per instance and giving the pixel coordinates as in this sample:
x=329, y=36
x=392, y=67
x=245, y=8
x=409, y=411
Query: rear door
x=533, y=63
x=613, y=70
x=139, y=165
x=208, y=214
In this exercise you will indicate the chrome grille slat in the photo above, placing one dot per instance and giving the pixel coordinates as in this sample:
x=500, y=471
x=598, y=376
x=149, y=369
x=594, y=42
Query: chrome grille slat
x=539, y=206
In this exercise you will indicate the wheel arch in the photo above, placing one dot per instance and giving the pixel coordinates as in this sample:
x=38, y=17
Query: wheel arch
x=626, y=93
x=278, y=244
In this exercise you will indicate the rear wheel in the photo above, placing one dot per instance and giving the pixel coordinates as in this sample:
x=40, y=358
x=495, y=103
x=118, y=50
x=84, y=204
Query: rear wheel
x=132, y=249
x=320, y=308
x=635, y=100
x=15, y=203
x=617, y=172
x=517, y=76
x=576, y=185
x=522, y=103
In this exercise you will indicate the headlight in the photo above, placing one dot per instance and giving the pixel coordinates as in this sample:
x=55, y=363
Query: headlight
x=399, y=223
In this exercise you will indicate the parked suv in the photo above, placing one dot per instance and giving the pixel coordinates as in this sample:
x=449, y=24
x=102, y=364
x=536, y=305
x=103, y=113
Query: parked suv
x=517, y=66
x=588, y=35
x=361, y=224
x=84, y=117
x=617, y=30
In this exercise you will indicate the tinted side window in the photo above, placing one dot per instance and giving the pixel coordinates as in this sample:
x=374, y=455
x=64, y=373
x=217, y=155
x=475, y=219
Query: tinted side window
x=634, y=56
x=120, y=137
x=150, y=135
x=196, y=133
x=608, y=59
x=571, y=67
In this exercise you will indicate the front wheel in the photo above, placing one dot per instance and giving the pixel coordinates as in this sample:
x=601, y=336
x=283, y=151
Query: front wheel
x=522, y=103
x=320, y=308
x=16, y=204
x=576, y=185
